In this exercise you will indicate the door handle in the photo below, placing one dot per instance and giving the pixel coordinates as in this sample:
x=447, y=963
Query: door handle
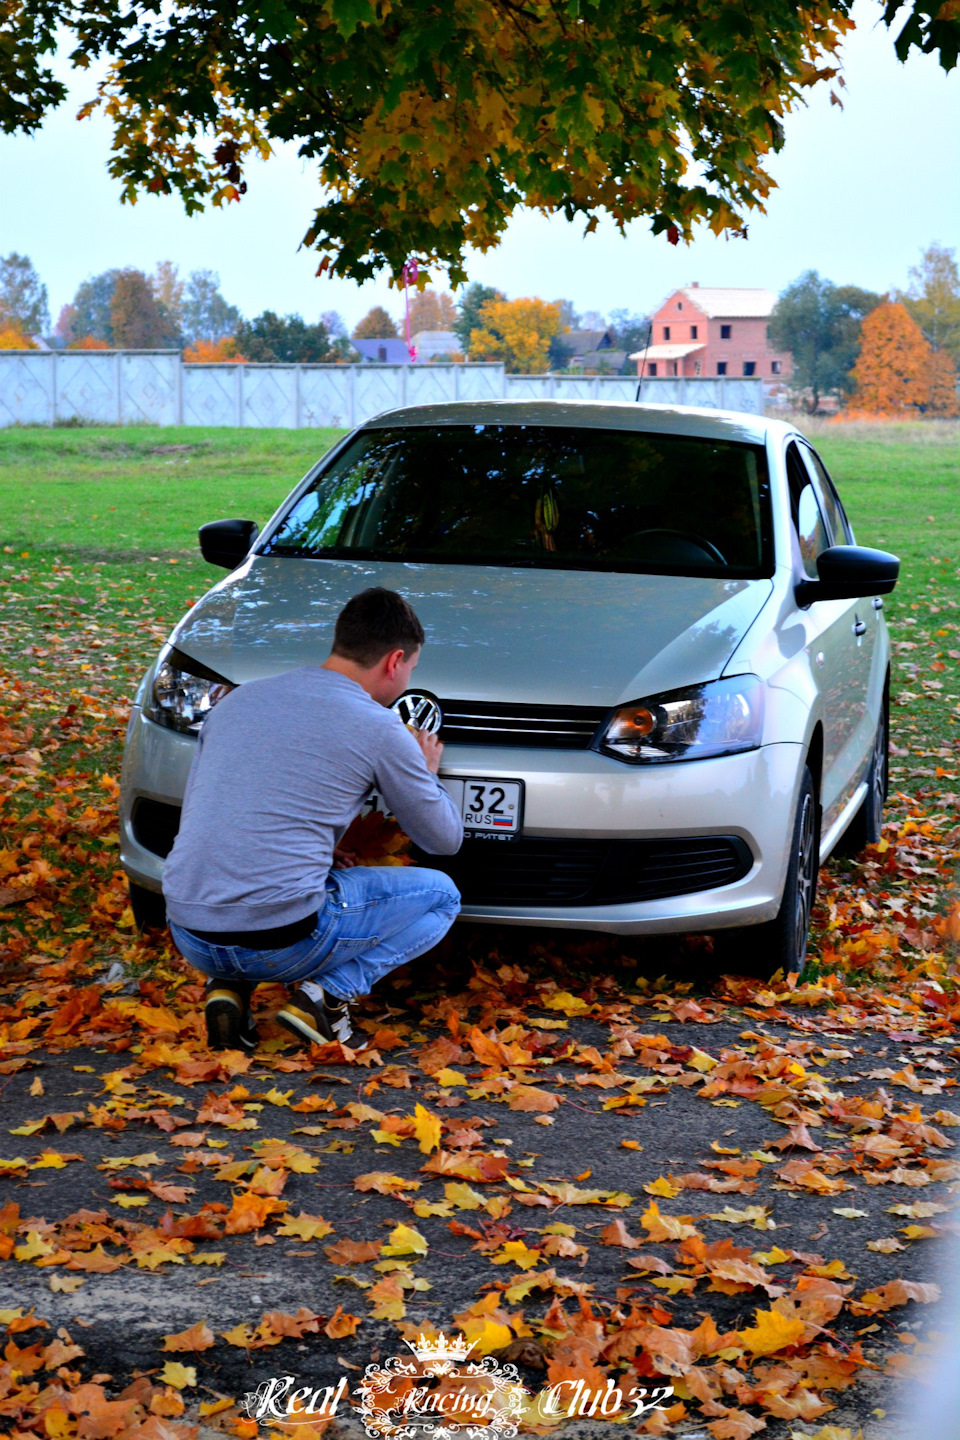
x=878, y=602
x=859, y=627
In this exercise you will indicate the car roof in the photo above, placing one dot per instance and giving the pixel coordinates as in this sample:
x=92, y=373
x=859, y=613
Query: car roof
x=615, y=415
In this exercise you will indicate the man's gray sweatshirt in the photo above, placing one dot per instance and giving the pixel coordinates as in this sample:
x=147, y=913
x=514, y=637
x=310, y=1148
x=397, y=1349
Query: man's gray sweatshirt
x=283, y=765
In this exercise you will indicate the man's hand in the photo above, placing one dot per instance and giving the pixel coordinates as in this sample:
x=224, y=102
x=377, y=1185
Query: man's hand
x=431, y=747
x=345, y=859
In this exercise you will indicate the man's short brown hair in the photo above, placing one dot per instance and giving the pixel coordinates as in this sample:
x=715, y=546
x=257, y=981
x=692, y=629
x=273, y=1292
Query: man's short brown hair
x=372, y=624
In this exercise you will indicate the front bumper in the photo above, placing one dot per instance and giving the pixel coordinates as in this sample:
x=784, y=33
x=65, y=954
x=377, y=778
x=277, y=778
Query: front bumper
x=577, y=795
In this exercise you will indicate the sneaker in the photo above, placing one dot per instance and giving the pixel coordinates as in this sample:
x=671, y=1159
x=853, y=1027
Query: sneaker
x=227, y=1011
x=315, y=1023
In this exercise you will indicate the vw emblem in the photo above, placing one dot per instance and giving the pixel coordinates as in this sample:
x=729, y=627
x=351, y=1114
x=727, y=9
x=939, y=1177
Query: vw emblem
x=420, y=709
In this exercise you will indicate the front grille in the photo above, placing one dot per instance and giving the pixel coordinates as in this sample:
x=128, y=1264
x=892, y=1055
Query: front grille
x=550, y=727
x=549, y=871
x=155, y=826
x=545, y=871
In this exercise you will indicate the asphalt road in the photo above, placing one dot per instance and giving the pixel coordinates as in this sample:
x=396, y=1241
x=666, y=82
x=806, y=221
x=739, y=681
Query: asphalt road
x=119, y=1318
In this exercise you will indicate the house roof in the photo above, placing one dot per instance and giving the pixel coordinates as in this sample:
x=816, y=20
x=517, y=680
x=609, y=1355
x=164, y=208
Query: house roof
x=581, y=342
x=666, y=352
x=446, y=337
x=721, y=302
x=396, y=350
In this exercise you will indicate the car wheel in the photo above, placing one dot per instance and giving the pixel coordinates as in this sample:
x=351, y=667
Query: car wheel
x=781, y=943
x=866, y=826
x=149, y=909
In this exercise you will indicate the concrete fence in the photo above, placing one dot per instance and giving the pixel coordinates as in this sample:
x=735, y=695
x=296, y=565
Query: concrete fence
x=155, y=387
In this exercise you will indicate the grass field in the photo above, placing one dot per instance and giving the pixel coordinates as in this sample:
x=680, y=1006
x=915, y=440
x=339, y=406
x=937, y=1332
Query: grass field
x=108, y=517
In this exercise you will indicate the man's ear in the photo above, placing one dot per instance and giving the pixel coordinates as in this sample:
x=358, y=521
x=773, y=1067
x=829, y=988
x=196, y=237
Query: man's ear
x=392, y=662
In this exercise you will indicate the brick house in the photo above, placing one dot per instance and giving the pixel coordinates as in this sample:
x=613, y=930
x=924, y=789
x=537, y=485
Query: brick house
x=708, y=331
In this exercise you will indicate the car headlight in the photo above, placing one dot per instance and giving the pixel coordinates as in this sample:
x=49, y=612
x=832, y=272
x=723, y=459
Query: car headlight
x=183, y=692
x=721, y=717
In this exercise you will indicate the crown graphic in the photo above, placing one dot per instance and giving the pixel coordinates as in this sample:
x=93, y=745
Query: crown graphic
x=441, y=1348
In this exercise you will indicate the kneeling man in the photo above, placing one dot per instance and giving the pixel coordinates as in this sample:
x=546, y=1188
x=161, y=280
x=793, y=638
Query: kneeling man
x=283, y=765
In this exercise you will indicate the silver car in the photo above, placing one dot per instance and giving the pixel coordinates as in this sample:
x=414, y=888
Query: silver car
x=656, y=657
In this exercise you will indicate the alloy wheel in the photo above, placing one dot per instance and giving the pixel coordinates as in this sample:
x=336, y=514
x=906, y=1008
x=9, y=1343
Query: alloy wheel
x=878, y=774
x=806, y=877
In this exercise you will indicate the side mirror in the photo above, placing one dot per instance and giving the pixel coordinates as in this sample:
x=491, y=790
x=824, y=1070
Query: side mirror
x=849, y=572
x=227, y=542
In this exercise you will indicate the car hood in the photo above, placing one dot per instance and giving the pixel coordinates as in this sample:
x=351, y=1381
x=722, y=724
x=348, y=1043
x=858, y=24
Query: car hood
x=561, y=637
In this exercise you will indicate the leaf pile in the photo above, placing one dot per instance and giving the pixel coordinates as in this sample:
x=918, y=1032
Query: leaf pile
x=519, y=1122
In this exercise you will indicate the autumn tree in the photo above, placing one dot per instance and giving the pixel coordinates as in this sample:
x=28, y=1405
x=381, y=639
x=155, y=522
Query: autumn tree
x=23, y=298
x=432, y=310
x=819, y=324
x=376, y=325
x=167, y=288
x=426, y=127
x=137, y=321
x=898, y=372
x=213, y=352
x=13, y=338
x=469, y=305
x=933, y=298
x=518, y=332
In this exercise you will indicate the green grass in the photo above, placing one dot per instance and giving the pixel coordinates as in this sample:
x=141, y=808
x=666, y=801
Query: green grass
x=99, y=493
x=105, y=520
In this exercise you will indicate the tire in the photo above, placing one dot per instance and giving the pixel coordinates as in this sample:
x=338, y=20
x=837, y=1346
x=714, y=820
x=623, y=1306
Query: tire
x=149, y=909
x=866, y=827
x=781, y=943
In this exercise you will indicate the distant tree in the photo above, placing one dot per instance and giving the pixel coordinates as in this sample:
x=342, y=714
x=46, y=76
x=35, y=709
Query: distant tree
x=819, y=324
x=376, y=325
x=213, y=352
x=592, y=320
x=13, y=338
x=432, y=310
x=23, y=299
x=137, y=322
x=270, y=339
x=933, y=298
x=335, y=323
x=469, y=306
x=65, y=330
x=88, y=342
x=897, y=371
x=205, y=314
x=92, y=307
x=518, y=332
x=168, y=288
x=569, y=315
x=629, y=330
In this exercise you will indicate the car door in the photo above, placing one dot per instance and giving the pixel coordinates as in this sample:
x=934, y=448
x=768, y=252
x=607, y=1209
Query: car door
x=868, y=656
x=831, y=644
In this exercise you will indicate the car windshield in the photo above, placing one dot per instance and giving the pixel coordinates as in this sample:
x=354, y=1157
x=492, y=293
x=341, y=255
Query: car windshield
x=538, y=495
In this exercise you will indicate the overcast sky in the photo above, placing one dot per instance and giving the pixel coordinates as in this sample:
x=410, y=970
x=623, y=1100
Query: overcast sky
x=861, y=192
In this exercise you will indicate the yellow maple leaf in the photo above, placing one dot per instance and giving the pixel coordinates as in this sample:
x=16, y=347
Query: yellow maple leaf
x=130, y=1202
x=427, y=1128
x=662, y=1186
x=773, y=1331
x=305, y=1227
x=448, y=1077
x=515, y=1252
x=178, y=1375
x=404, y=1240
x=463, y=1195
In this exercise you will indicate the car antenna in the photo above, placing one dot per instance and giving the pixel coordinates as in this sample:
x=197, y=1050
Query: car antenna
x=643, y=359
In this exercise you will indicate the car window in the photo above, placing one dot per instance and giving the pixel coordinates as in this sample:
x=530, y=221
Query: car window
x=834, y=513
x=812, y=533
x=537, y=495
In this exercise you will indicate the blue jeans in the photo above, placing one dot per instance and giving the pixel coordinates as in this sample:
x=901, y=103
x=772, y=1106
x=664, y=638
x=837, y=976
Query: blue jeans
x=373, y=919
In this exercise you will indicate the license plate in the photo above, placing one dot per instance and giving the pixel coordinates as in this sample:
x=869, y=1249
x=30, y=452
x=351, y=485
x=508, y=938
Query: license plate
x=491, y=809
